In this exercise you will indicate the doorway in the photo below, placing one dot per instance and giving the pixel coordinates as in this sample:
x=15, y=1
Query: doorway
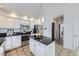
x=59, y=29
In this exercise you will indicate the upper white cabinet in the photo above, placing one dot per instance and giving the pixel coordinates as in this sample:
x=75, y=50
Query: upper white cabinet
x=23, y=22
x=17, y=23
x=3, y=21
x=32, y=25
x=10, y=22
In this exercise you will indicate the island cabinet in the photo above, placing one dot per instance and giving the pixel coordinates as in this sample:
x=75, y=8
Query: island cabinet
x=32, y=46
x=1, y=50
x=40, y=49
x=12, y=42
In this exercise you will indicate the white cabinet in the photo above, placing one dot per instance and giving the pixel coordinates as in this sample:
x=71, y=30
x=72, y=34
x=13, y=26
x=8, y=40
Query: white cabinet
x=32, y=25
x=1, y=50
x=16, y=23
x=40, y=49
x=16, y=41
x=32, y=46
x=50, y=49
x=3, y=22
x=10, y=22
x=7, y=44
x=12, y=42
x=24, y=22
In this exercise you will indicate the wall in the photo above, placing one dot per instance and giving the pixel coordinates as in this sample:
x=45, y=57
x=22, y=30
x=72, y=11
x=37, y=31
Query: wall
x=49, y=11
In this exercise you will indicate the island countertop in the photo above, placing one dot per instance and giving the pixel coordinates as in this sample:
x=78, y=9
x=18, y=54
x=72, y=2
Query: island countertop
x=45, y=40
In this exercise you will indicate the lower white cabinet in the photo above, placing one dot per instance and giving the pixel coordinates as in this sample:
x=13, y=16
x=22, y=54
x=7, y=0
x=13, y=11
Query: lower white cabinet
x=40, y=49
x=50, y=49
x=7, y=44
x=12, y=42
x=16, y=41
x=1, y=50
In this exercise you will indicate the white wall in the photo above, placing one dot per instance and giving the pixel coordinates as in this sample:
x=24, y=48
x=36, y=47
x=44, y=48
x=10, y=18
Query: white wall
x=49, y=11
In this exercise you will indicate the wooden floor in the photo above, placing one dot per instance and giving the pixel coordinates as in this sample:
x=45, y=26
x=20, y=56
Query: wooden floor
x=24, y=50
x=61, y=51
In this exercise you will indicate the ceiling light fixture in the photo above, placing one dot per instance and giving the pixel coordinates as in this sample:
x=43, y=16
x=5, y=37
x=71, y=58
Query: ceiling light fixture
x=42, y=19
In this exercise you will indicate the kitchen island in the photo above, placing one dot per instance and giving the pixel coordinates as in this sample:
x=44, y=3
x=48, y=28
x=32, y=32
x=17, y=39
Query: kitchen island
x=42, y=47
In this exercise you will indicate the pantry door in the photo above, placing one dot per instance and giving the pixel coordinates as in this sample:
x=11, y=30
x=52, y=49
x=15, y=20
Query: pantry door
x=68, y=32
x=76, y=32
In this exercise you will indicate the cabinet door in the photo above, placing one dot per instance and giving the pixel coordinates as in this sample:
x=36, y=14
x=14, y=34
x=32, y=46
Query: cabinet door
x=76, y=32
x=40, y=49
x=33, y=46
x=16, y=23
x=32, y=25
x=24, y=22
x=7, y=43
x=50, y=49
x=3, y=22
x=10, y=22
x=16, y=41
x=68, y=32
x=1, y=50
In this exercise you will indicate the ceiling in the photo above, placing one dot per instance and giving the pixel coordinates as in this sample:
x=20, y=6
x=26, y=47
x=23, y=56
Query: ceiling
x=22, y=9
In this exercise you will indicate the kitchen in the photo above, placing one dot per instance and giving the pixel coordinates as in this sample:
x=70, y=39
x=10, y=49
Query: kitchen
x=39, y=29
x=17, y=32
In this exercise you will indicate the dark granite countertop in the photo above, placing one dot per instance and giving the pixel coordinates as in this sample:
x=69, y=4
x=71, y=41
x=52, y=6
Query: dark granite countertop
x=43, y=39
x=2, y=35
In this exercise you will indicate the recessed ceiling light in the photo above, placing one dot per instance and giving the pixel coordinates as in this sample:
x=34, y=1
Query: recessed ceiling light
x=13, y=14
x=32, y=19
x=39, y=21
x=25, y=17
